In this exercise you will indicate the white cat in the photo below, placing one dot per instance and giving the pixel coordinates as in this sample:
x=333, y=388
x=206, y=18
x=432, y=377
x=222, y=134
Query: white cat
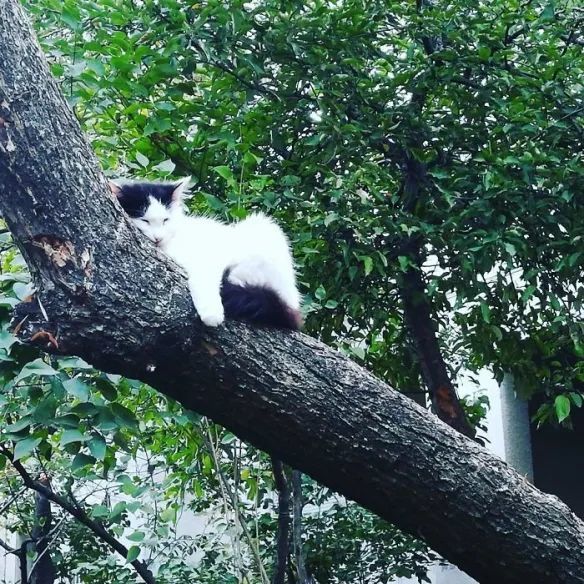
x=242, y=270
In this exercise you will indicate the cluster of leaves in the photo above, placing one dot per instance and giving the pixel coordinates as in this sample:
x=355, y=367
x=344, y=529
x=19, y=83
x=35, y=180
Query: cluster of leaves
x=311, y=111
x=314, y=111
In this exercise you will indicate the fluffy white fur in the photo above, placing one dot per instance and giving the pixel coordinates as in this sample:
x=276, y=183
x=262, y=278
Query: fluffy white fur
x=255, y=250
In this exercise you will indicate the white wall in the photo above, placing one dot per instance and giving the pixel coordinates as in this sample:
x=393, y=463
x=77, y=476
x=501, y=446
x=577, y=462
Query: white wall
x=8, y=562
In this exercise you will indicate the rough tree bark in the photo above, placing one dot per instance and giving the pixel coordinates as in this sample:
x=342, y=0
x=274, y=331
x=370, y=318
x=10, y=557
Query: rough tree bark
x=112, y=299
x=283, y=533
x=44, y=569
x=419, y=319
x=302, y=576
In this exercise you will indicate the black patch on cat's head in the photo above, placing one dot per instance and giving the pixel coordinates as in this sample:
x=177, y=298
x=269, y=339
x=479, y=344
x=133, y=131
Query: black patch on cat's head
x=135, y=196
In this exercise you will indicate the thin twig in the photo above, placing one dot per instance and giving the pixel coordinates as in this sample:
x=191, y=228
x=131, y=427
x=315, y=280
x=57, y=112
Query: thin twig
x=10, y=550
x=48, y=540
x=12, y=499
x=230, y=498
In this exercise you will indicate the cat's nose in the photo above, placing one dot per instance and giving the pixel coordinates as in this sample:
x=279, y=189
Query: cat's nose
x=157, y=240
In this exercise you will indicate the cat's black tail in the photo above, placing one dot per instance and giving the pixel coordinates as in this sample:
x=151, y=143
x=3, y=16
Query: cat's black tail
x=258, y=305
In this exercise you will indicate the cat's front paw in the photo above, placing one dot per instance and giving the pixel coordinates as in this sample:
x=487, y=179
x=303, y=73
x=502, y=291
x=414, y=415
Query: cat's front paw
x=212, y=317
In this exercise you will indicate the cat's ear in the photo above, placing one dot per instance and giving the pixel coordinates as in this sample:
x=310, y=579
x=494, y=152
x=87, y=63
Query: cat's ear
x=115, y=188
x=181, y=189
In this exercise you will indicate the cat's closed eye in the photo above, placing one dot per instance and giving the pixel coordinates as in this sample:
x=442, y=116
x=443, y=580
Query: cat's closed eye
x=165, y=220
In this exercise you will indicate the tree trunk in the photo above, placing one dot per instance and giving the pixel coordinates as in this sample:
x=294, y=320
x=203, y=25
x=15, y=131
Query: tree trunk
x=422, y=327
x=44, y=570
x=283, y=531
x=298, y=547
x=418, y=309
x=23, y=563
x=111, y=298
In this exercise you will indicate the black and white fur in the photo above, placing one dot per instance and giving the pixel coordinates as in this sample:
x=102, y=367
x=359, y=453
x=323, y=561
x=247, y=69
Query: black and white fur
x=242, y=270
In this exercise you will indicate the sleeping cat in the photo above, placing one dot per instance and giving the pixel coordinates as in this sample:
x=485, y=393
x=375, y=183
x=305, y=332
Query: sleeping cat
x=243, y=270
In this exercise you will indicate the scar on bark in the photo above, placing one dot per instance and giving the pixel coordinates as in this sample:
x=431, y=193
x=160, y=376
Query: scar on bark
x=29, y=323
x=58, y=250
x=6, y=143
x=45, y=336
x=212, y=350
x=444, y=398
x=61, y=252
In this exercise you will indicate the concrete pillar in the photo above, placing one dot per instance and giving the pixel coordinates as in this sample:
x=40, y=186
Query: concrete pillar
x=516, y=432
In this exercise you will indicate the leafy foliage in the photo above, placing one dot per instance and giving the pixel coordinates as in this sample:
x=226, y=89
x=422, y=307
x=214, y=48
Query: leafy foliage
x=315, y=112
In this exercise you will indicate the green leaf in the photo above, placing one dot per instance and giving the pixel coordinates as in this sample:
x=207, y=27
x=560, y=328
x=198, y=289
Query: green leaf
x=404, y=262
x=37, y=367
x=313, y=140
x=330, y=218
x=44, y=412
x=99, y=511
x=136, y=536
x=224, y=172
x=118, y=511
x=484, y=53
x=485, y=311
x=22, y=290
x=77, y=389
x=497, y=332
x=168, y=514
x=25, y=447
x=562, y=407
x=133, y=553
x=368, y=264
x=124, y=415
x=73, y=435
x=528, y=293
x=106, y=388
x=97, y=447
x=71, y=17
x=166, y=166
x=80, y=460
x=19, y=425
x=73, y=363
x=142, y=160
x=7, y=340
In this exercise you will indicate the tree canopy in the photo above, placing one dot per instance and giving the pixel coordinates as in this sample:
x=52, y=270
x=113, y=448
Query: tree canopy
x=418, y=154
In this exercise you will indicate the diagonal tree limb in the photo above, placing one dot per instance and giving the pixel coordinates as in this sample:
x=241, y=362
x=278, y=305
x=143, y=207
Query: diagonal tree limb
x=110, y=298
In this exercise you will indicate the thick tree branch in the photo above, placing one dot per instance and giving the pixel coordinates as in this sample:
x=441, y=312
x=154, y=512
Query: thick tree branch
x=112, y=299
x=417, y=306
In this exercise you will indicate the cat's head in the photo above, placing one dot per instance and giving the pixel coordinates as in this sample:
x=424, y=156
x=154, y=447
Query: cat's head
x=152, y=206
